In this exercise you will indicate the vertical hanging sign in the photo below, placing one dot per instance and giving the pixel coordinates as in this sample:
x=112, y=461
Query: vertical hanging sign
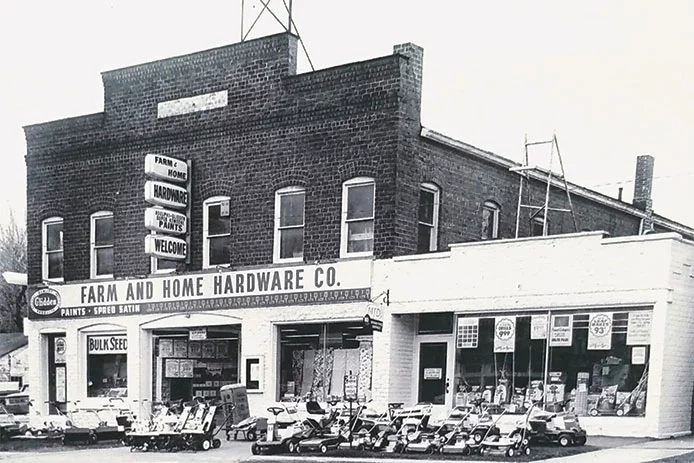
x=600, y=331
x=561, y=331
x=504, y=334
x=538, y=326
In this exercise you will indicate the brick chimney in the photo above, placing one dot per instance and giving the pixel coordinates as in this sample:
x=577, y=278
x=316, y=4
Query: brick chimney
x=412, y=73
x=643, y=186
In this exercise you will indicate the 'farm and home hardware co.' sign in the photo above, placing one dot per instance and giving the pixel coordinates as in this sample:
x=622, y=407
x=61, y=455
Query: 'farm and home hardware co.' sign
x=306, y=284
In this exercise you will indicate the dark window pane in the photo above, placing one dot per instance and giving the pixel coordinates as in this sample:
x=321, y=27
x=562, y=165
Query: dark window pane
x=489, y=218
x=165, y=264
x=217, y=225
x=219, y=250
x=54, y=238
x=291, y=243
x=360, y=236
x=291, y=209
x=360, y=202
x=104, y=231
x=424, y=238
x=55, y=265
x=426, y=206
x=104, y=261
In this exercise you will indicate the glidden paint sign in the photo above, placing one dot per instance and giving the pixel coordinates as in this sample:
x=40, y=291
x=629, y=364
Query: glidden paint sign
x=280, y=286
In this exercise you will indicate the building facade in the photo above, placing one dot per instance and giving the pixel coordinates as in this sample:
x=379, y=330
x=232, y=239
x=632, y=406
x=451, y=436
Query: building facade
x=299, y=198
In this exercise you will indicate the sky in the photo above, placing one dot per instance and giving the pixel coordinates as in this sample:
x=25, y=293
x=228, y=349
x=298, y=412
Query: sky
x=613, y=78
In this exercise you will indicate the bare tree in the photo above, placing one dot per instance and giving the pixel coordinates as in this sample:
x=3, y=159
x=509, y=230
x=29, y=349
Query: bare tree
x=13, y=258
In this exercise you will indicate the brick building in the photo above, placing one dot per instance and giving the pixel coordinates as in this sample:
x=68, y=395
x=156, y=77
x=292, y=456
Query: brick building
x=298, y=191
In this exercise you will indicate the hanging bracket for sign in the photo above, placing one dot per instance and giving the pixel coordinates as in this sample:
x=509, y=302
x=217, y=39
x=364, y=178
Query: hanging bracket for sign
x=385, y=295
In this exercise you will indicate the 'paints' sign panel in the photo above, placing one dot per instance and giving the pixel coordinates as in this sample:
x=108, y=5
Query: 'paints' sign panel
x=165, y=221
x=102, y=345
x=166, y=168
x=280, y=286
x=166, y=195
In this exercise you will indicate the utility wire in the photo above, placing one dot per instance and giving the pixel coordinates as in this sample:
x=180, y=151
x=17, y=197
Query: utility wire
x=687, y=174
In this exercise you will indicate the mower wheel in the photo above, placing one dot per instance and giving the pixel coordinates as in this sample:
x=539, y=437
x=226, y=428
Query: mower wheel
x=564, y=440
x=255, y=449
x=580, y=440
x=93, y=438
x=482, y=451
x=478, y=436
x=206, y=444
x=323, y=448
x=216, y=443
x=466, y=451
x=527, y=451
x=251, y=435
x=510, y=452
x=292, y=446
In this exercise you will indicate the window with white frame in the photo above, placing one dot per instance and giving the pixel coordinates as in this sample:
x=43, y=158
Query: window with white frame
x=52, y=267
x=490, y=220
x=357, y=217
x=101, y=244
x=289, y=224
x=216, y=231
x=427, y=218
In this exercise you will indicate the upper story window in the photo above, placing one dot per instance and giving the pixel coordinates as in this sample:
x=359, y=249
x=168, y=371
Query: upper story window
x=101, y=242
x=52, y=244
x=357, y=217
x=289, y=224
x=537, y=226
x=216, y=232
x=428, y=218
x=490, y=220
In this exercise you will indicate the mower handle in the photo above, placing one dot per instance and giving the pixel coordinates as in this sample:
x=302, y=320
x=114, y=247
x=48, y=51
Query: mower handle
x=275, y=410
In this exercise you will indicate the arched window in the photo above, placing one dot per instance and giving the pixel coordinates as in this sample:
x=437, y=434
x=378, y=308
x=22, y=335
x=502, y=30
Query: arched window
x=490, y=220
x=52, y=249
x=216, y=232
x=358, y=205
x=101, y=245
x=428, y=218
x=289, y=224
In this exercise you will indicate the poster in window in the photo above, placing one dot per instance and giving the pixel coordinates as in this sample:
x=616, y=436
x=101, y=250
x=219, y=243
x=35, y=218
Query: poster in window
x=172, y=368
x=166, y=347
x=468, y=333
x=504, y=334
x=639, y=328
x=600, y=331
x=194, y=349
x=222, y=350
x=60, y=384
x=561, y=331
x=638, y=355
x=185, y=369
x=538, y=326
x=60, y=349
x=180, y=348
x=208, y=349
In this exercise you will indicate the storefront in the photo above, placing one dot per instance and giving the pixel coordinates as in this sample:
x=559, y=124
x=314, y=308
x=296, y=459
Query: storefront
x=285, y=332
x=599, y=325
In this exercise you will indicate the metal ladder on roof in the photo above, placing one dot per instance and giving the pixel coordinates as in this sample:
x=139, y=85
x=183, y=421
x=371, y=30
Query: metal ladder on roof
x=528, y=172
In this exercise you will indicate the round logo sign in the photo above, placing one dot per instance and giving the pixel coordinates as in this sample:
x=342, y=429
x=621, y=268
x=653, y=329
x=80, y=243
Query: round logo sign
x=600, y=325
x=45, y=301
x=504, y=329
x=60, y=346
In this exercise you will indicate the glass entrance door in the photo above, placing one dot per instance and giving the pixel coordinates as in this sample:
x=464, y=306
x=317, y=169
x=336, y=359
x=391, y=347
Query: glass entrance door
x=434, y=373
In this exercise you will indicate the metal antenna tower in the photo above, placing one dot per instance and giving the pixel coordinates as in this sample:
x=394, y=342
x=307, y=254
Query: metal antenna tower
x=548, y=176
x=290, y=25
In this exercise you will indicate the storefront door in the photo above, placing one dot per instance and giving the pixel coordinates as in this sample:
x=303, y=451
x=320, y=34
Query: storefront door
x=435, y=372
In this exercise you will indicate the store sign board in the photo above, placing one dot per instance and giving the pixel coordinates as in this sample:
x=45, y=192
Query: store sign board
x=270, y=287
x=166, y=247
x=504, y=334
x=561, y=331
x=600, y=331
x=101, y=345
x=538, y=326
x=351, y=386
x=639, y=328
x=165, y=221
x=44, y=302
x=375, y=325
x=166, y=195
x=166, y=168
x=197, y=334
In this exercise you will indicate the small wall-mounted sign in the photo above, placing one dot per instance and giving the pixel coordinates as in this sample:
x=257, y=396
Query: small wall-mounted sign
x=433, y=373
x=166, y=168
x=197, y=334
x=165, y=221
x=166, y=195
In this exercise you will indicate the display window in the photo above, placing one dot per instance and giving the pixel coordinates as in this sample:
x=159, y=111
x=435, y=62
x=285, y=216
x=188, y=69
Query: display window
x=592, y=363
x=195, y=362
x=318, y=360
x=107, y=366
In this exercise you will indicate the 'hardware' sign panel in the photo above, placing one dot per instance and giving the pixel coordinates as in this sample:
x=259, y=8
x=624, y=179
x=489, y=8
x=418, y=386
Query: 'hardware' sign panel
x=268, y=287
x=165, y=221
x=166, y=195
x=166, y=168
